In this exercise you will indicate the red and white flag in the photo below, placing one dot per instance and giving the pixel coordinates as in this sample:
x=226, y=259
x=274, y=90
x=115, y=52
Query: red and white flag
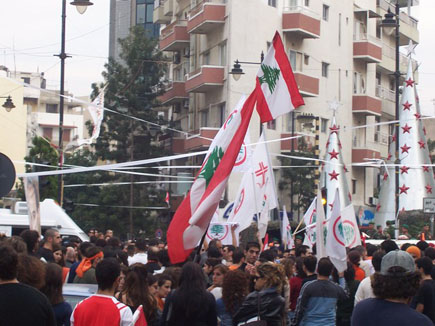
x=167, y=198
x=277, y=90
x=335, y=241
x=193, y=216
x=310, y=218
x=286, y=231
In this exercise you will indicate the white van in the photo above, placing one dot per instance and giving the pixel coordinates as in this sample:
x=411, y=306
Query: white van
x=12, y=222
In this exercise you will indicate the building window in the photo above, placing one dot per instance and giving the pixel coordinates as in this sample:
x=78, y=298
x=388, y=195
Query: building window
x=272, y=3
x=204, y=118
x=144, y=17
x=306, y=59
x=325, y=68
x=223, y=54
x=66, y=135
x=221, y=114
x=51, y=108
x=325, y=14
x=47, y=133
x=353, y=186
x=307, y=3
x=26, y=80
x=324, y=125
x=206, y=58
x=140, y=13
x=271, y=124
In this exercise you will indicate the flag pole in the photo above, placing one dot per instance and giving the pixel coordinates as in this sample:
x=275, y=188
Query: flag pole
x=197, y=257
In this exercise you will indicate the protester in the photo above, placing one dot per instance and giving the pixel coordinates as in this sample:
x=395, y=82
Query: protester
x=82, y=255
x=317, y=301
x=345, y=306
x=252, y=252
x=209, y=264
x=296, y=285
x=153, y=263
x=238, y=259
x=219, y=272
x=430, y=252
x=393, y=286
x=53, y=290
x=365, y=290
x=140, y=256
x=191, y=303
x=389, y=245
x=355, y=258
x=102, y=308
x=424, y=300
x=51, y=237
x=59, y=258
x=31, y=271
x=20, y=304
x=164, y=288
x=153, y=284
x=87, y=267
x=17, y=243
x=265, y=303
x=365, y=263
x=309, y=266
x=228, y=252
x=234, y=291
x=70, y=256
x=414, y=252
x=31, y=238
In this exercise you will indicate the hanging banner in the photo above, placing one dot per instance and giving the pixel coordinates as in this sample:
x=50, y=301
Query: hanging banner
x=31, y=188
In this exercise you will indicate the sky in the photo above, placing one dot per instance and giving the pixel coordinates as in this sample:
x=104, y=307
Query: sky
x=31, y=33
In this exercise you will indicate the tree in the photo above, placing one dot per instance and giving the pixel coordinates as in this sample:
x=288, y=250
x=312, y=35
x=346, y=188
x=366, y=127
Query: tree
x=131, y=90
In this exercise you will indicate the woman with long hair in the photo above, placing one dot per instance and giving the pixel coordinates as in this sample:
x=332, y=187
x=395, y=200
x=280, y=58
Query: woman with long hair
x=235, y=288
x=190, y=303
x=265, y=303
x=296, y=285
x=136, y=292
x=164, y=287
x=53, y=290
x=59, y=258
x=219, y=272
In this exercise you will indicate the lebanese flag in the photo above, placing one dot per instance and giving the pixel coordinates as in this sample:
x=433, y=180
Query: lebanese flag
x=335, y=240
x=139, y=317
x=193, y=216
x=277, y=90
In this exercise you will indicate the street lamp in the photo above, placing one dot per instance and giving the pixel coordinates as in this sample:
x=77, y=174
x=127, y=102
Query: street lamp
x=390, y=23
x=237, y=70
x=8, y=105
x=81, y=6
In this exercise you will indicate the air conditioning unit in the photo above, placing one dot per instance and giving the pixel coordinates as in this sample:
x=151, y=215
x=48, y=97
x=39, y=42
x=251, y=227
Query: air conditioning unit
x=177, y=58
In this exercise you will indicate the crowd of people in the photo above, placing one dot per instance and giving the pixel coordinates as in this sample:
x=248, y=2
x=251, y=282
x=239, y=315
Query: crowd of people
x=218, y=285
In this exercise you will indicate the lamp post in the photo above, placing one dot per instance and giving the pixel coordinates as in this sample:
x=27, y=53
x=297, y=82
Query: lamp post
x=8, y=105
x=81, y=6
x=389, y=23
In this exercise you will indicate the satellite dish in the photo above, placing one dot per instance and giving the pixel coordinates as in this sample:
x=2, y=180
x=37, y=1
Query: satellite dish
x=7, y=175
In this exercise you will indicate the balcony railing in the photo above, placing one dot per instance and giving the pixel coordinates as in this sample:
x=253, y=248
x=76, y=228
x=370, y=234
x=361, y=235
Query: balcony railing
x=385, y=93
x=297, y=6
x=363, y=37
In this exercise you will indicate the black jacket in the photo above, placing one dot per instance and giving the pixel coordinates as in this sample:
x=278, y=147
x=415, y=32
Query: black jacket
x=272, y=307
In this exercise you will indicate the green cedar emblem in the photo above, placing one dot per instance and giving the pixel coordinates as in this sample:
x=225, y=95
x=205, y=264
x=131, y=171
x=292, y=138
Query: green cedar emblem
x=270, y=76
x=217, y=229
x=211, y=164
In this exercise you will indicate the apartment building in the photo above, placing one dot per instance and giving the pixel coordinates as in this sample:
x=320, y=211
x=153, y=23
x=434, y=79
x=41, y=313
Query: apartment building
x=337, y=49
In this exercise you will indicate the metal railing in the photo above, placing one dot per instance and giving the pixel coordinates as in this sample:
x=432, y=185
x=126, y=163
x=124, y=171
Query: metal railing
x=385, y=93
x=298, y=6
x=368, y=38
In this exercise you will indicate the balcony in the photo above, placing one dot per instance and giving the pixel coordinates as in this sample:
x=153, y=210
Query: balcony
x=308, y=86
x=388, y=63
x=366, y=105
x=408, y=25
x=205, y=79
x=388, y=99
x=168, y=8
x=365, y=145
x=174, y=37
x=201, y=139
x=174, y=93
x=159, y=13
x=368, y=49
x=206, y=16
x=299, y=20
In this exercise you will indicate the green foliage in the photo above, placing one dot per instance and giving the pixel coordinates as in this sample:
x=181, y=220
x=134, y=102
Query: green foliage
x=303, y=178
x=42, y=152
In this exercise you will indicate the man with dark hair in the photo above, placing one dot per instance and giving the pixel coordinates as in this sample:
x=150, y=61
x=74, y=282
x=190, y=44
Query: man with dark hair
x=140, y=256
x=394, y=286
x=102, y=308
x=424, y=300
x=51, y=237
x=430, y=252
x=302, y=251
x=31, y=238
x=365, y=290
x=309, y=267
x=82, y=254
x=153, y=263
x=389, y=245
x=238, y=259
x=252, y=253
x=228, y=252
x=317, y=302
x=20, y=304
x=85, y=272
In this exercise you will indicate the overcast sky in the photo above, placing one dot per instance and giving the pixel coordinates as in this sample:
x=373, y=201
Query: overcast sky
x=31, y=31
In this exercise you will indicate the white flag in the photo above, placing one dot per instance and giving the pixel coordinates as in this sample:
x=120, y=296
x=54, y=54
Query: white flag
x=31, y=189
x=320, y=227
x=335, y=242
x=244, y=159
x=350, y=227
x=310, y=226
x=96, y=110
x=264, y=217
x=286, y=231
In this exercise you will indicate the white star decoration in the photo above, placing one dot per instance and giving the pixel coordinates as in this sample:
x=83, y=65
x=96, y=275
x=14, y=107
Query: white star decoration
x=410, y=48
x=334, y=105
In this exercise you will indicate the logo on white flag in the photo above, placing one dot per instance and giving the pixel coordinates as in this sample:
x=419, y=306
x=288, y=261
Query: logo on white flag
x=261, y=172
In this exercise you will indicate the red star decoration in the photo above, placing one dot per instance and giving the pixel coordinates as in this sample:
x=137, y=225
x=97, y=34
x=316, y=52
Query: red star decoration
x=425, y=168
x=404, y=189
x=405, y=149
x=422, y=144
x=393, y=138
x=409, y=82
x=378, y=207
x=404, y=169
x=334, y=154
x=334, y=129
x=417, y=116
x=385, y=176
x=389, y=156
x=334, y=175
x=407, y=106
x=406, y=129
x=428, y=189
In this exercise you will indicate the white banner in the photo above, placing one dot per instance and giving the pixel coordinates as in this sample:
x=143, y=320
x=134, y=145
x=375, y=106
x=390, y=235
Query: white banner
x=31, y=188
x=222, y=232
